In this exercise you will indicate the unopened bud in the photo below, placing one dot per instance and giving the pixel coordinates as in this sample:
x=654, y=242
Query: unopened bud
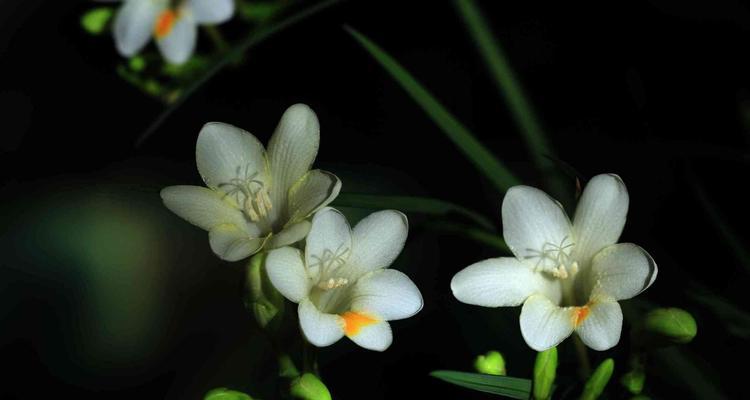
x=226, y=394
x=672, y=325
x=545, y=369
x=491, y=363
x=598, y=380
x=264, y=300
x=309, y=387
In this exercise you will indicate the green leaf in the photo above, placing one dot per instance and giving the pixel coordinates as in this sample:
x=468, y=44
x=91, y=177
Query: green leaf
x=735, y=320
x=477, y=154
x=492, y=239
x=226, y=394
x=516, y=388
x=253, y=39
x=545, y=372
x=415, y=204
x=726, y=232
x=598, y=381
x=258, y=11
x=96, y=20
x=510, y=88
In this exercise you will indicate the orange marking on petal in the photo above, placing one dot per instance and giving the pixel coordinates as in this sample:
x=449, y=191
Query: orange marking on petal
x=164, y=23
x=354, y=322
x=580, y=314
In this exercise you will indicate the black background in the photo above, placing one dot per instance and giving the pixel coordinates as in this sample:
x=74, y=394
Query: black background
x=657, y=92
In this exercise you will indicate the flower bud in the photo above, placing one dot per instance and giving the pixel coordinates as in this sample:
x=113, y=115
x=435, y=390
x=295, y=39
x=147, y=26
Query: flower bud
x=491, y=363
x=671, y=325
x=263, y=299
x=545, y=369
x=226, y=394
x=598, y=380
x=309, y=387
x=634, y=380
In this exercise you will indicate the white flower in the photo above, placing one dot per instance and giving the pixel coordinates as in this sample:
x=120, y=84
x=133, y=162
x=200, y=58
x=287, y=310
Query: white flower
x=568, y=277
x=341, y=282
x=173, y=24
x=253, y=200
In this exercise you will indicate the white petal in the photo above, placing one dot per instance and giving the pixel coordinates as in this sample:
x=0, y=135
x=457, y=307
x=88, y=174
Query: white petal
x=378, y=239
x=212, y=11
x=227, y=154
x=600, y=215
x=289, y=235
x=622, y=271
x=292, y=149
x=387, y=294
x=377, y=336
x=502, y=282
x=330, y=238
x=134, y=25
x=204, y=208
x=601, y=328
x=534, y=226
x=315, y=190
x=320, y=329
x=178, y=45
x=544, y=324
x=286, y=270
x=233, y=244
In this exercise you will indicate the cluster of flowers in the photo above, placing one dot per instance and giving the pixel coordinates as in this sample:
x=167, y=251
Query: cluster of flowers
x=568, y=276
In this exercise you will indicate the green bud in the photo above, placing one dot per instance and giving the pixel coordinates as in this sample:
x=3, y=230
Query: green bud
x=226, y=394
x=545, y=369
x=634, y=380
x=95, y=20
x=309, y=387
x=264, y=300
x=491, y=363
x=598, y=380
x=671, y=325
x=137, y=63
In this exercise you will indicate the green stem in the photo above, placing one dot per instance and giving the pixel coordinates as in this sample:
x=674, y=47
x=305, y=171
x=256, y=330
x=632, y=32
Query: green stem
x=287, y=369
x=216, y=38
x=583, y=357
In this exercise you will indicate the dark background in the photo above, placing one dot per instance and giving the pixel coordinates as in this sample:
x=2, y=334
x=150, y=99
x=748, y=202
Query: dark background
x=107, y=294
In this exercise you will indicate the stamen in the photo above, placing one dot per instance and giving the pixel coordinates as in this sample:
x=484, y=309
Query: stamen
x=333, y=283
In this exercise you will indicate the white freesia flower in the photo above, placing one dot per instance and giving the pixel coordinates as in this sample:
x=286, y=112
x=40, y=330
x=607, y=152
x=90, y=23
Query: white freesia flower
x=173, y=24
x=341, y=280
x=254, y=200
x=568, y=277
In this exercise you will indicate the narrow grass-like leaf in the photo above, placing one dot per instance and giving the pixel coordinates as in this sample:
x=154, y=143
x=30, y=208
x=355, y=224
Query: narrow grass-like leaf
x=256, y=37
x=511, y=89
x=482, y=159
x=516, y=388
x=722, y=227
x=598, y=381
x=415, y=204
x=491, y=239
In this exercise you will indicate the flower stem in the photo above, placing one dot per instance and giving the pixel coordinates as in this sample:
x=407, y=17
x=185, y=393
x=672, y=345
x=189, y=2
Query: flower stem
x=216, y=38
x=583, y=358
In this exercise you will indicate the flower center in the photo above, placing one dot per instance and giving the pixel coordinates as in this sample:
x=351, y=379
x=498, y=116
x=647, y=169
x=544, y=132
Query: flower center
x=330, y=293
x=164, y=23
x=555, y=259
x=249, y=193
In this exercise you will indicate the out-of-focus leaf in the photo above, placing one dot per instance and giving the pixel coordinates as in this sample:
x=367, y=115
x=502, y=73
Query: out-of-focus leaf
x=510, y=88
x=720, y=223
x=258, y=11
x=414, y=204
x=96, y=20
x=516, y=388
x=598, y=381
x=735, y=320
x=253, y=39
x=491, y=239
x=466, y=141
x=685, y=369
